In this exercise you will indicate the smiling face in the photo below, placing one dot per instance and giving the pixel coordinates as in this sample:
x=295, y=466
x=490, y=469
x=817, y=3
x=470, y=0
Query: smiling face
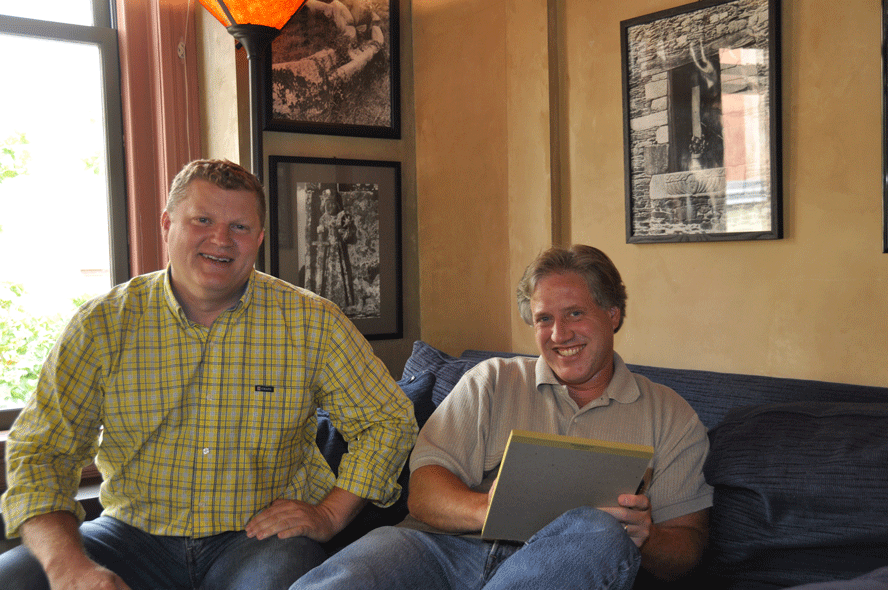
x=213, y=237
x=574, y=335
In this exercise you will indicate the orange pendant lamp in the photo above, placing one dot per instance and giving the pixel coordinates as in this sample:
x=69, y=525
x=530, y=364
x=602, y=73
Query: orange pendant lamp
x=270, y=13
x=255, y=23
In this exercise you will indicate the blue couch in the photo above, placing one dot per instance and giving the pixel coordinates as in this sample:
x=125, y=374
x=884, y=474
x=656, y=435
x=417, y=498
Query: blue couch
x=800, y=471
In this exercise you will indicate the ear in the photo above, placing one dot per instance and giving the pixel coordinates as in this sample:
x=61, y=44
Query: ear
x=165, y=222
x=614, y=314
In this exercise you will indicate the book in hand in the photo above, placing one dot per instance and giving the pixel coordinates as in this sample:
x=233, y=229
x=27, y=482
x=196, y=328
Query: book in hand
x=542, y=476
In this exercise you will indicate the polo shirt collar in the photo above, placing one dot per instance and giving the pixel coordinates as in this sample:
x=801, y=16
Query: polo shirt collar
x=622, y=387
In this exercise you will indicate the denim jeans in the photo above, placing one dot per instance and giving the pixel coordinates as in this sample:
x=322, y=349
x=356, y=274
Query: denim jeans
x=227, y=561
x=584, y=548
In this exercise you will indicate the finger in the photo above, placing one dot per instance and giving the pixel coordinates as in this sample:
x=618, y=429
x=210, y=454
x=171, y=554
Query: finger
x=634, y=502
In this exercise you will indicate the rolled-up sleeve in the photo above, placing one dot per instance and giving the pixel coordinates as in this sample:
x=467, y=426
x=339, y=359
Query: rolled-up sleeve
x=366, y=405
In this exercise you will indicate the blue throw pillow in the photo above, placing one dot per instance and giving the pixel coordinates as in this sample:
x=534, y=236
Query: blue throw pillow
x=801, y=491
x=447, y=369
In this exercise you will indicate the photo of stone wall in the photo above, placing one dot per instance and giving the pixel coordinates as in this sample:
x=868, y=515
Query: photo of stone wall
x=698, y=105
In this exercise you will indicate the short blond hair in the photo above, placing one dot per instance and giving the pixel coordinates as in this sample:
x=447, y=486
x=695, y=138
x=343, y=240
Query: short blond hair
x=222, y=173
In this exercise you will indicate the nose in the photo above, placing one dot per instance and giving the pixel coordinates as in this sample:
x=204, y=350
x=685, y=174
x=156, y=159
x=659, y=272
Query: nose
x=561, y=332
x=222, y=235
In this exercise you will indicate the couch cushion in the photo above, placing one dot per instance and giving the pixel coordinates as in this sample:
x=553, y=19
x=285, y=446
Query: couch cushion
x=801, y=492
x=447, y=369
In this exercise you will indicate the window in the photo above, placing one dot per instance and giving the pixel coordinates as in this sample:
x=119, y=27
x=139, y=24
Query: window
x=62, y=188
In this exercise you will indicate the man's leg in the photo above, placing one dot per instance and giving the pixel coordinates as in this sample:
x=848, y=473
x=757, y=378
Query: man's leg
x=233, y=561
x=395, y=558
x=19, y=570
x=583, y=548
x=145, y=562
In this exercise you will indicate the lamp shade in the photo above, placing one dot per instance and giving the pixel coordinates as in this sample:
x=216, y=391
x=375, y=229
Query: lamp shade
x=270, y=13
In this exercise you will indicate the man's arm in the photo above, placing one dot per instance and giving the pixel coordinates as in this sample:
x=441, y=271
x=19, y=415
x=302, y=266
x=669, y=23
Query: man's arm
x=669, y=549
x=675, y=546
x=439, y=498
x=291, y=518
x=54, y=540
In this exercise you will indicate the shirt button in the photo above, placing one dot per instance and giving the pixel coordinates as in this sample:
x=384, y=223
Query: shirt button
x=206, y=451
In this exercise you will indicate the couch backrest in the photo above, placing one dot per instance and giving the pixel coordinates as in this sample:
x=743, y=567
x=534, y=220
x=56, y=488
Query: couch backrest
x=711, y=394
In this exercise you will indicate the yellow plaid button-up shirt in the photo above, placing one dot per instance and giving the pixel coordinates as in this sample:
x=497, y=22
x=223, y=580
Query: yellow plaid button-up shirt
x=197, y=429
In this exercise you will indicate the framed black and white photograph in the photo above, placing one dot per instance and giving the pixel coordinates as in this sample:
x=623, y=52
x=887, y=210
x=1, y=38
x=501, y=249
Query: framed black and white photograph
x=885, y=126
x=701, y=119
x=335, y=229
x=334, y=69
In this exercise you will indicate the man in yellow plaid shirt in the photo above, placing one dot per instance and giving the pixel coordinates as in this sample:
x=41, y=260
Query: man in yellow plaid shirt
x=195, y=389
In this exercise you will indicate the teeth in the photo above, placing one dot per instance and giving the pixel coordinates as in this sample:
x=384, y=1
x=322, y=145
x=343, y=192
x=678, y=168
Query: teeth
x=569, y=351
x=216, y=258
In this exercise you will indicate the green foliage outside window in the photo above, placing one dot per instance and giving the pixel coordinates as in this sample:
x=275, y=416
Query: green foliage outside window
x=25, y=341
x=13, y=157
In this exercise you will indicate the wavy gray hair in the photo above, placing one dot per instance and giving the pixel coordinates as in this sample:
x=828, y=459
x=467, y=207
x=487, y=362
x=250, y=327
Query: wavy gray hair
x=590, y=263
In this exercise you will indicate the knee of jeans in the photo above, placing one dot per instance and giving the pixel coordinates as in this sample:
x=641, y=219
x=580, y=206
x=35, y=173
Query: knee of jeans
x=584, y=520
x=19, y=570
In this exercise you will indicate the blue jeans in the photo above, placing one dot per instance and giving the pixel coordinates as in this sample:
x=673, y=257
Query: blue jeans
x=584, y=548
x=226, y=561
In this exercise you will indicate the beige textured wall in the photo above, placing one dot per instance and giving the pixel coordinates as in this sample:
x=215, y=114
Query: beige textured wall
x=812, y=305
x=462, y=133
x=225, y=134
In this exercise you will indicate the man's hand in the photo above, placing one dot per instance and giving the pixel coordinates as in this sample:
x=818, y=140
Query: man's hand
x=84, y=576
x=54, y=540
x=669, y=549
x=293, y=518
x=635, y=515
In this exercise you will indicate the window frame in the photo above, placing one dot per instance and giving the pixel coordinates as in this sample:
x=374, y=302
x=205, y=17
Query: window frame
x=156, y=103
x=104, y=37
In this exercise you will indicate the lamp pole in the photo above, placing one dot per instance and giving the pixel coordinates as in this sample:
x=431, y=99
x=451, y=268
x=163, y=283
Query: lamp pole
x=255, y=39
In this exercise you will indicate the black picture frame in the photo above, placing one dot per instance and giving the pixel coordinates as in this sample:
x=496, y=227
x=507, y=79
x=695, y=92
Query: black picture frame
x=335, y=74
x=335, y=229
x=885, y=126
x=701, y=122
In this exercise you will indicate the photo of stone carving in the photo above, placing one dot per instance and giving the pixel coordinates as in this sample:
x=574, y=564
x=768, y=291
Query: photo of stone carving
x=332, y=64
x=697, y=95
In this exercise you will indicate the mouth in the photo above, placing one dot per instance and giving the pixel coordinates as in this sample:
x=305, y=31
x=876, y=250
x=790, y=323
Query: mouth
x=568, y=352
x=220, y=259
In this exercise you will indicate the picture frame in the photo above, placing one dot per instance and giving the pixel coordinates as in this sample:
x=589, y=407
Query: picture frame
x=335, y=229
x=336, y=73
x=701, y=121
x=885, y=126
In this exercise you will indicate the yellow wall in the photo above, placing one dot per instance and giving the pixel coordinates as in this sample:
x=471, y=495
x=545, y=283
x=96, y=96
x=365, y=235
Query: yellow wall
x=225, y=134
x=812, y=305
x=509, y=147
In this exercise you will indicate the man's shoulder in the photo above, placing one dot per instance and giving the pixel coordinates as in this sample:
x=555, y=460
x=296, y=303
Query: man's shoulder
x=133, y=292
x=269, y=288
x=663, y=396
x=499, y=372
x=494, y=365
